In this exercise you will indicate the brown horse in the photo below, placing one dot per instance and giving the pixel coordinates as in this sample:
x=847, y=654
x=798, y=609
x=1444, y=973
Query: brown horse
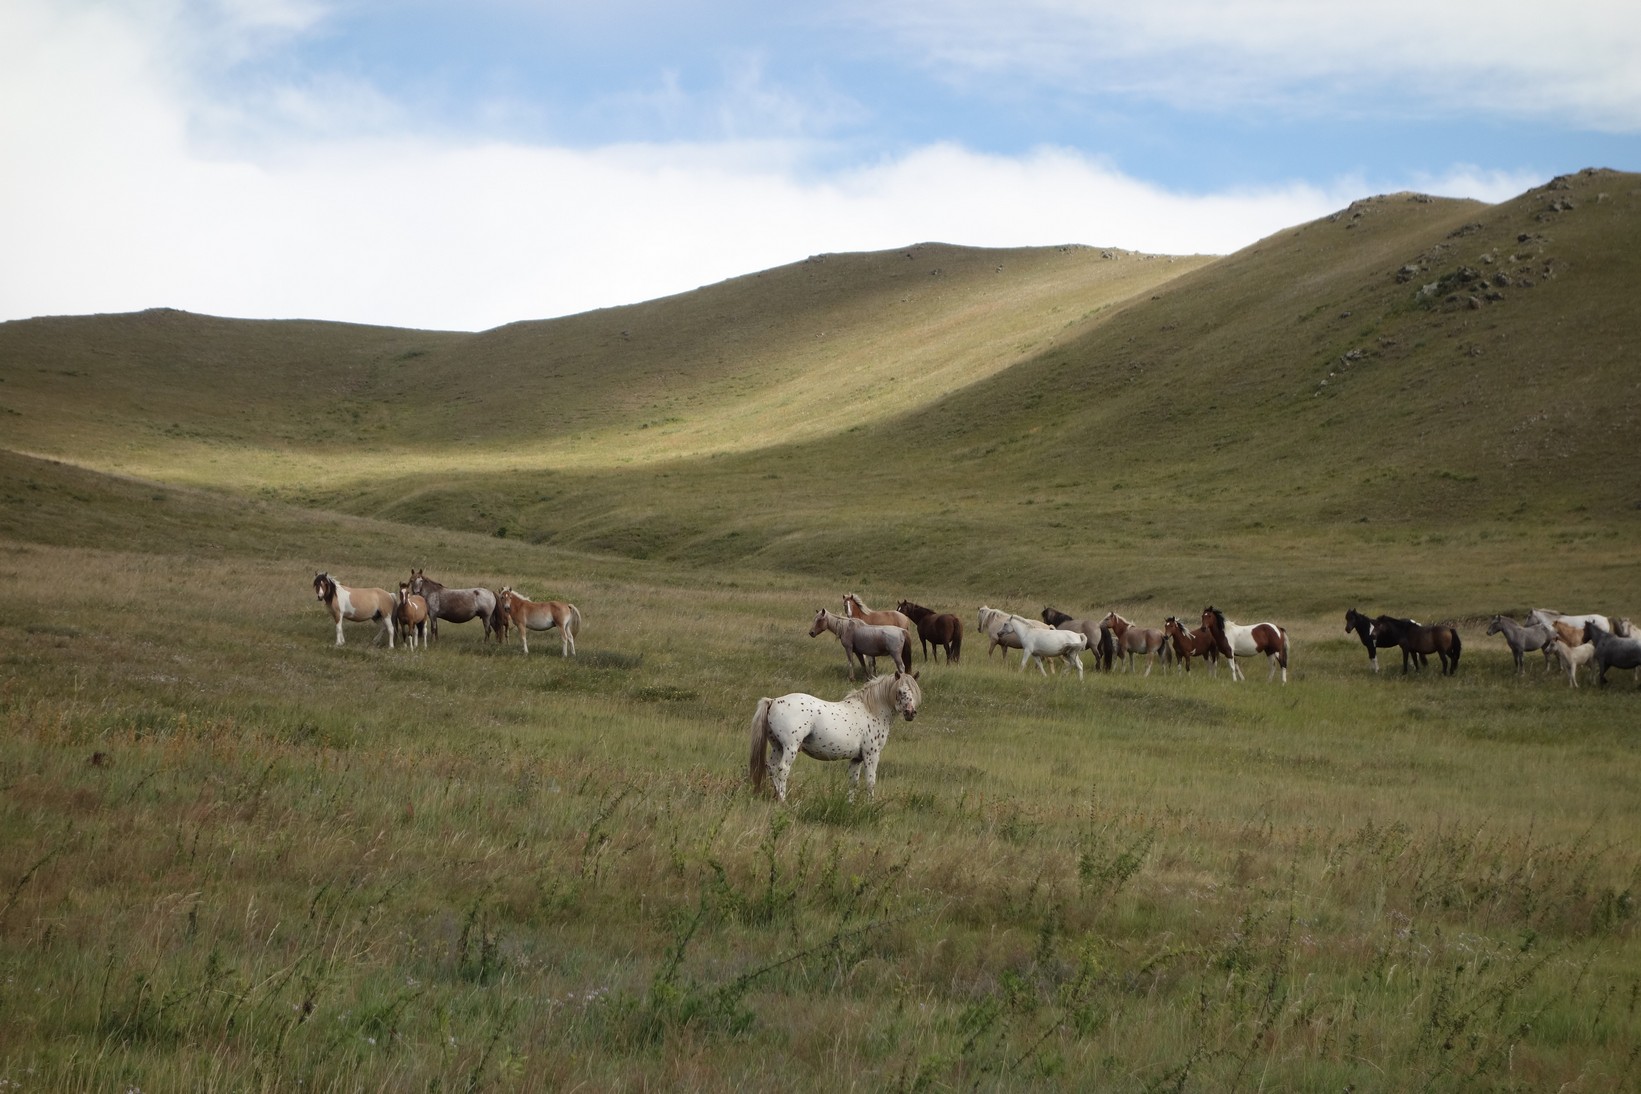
x=1189, y=644
x=1437, y=638
x=355, y=606
x=1130, y=640
x=1100, y=642
x=943, y=629
x=454, y=605
x=540, y=615
x=410, y=617
x=855, y=608
x=1233, y=639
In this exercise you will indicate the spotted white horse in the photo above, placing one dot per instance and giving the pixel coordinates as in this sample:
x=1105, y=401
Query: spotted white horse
x=854, y=729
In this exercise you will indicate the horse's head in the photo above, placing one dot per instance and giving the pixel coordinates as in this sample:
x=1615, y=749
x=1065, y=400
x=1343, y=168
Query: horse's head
x=907, y=694
x=1496, y=625
x=906, y=607
x=323, y=586
x=852, y=605
x=1171, y=626
x=416, y=582
x=1212, y=617
x=1591, y=630
x=1007, y=630
x=819, y=624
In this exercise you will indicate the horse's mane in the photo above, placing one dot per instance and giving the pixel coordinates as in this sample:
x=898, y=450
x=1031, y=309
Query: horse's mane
x=1219, y=616
x=874, y=694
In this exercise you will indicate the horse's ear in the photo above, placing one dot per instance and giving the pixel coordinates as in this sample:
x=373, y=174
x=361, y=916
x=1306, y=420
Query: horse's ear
x=915, y=675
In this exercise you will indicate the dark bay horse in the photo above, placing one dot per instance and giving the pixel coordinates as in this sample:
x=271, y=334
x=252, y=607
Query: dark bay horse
x=454, y=605
x=941, y=628
x=1098, y=633
x=1189, y=644
x=1437, y=638
x=1363, y=627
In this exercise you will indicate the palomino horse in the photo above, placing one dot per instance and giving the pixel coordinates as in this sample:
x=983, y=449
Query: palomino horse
x=1100, y=642
x=862, y=640
x=410, y=617
x=454, y=605
x=1234, y=638
x=855, y=608
x=540, y=615
x=1437, y=638
x=1189, y=644
x=942, y=628
x=1040, y=642
x=1131, y=640
x=355, y=606
x=1611, y=651
x=854, y=729
x=1521, y=639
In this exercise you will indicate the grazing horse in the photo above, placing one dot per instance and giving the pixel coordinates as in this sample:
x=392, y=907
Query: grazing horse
x=1036, y=642
x=862, y=640
x=1131, y=639
x=854, y=729
x=1437, y=638
x=540, y=615
x=355, y=606
x=942, y=628
x=1521, y=639
x=1189, y=644
x=1234, y=638
x=1100, y=642
x=1611, y=651
x=1571, y=657
x=410, y=617
x=992, y=620
x=454, y=605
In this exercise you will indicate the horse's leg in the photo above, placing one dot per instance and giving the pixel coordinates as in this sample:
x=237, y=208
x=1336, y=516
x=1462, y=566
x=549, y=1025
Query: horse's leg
x=854, y=776
x=780, y=764
x=524, y=634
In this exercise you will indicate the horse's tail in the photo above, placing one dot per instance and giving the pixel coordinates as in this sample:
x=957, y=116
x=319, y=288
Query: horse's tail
x=955, y=652
x=1458, y=646
x=757, y=764
x=1283, y=660
x=575, y=621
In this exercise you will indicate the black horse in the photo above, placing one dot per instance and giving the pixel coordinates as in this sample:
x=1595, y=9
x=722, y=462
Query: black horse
x=1416, y=641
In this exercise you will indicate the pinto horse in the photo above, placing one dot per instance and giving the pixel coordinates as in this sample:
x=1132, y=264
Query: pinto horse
x=1437, y=638
x=410, y=617
x=942, y=628
x=861, y=640
x=453, y=605
x=1131, y=639
x=1363, y=626
x=854, y=729
x=1100, y=642
x=1189, y=644
x=1234, y=638
x=540, y=615
x=355, y=606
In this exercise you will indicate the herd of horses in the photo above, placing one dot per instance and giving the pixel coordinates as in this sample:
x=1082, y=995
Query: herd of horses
x=856, y=727
x=412, y=614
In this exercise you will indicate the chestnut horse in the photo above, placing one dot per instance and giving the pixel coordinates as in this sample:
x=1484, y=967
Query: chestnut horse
x=942, y=628
x=1234, y=638
x=410, y=617
x=355, y=606
x=454, y=605
x=1189, y=644
x=1437, y=638
x=1130, y=640
x=855, y=608
x=539, y=615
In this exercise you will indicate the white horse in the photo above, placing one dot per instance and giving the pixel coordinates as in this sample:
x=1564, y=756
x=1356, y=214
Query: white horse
x=854, y=729
x=992, y=620
x=1571, y=657
x=1036, y=643
x=1548, y=617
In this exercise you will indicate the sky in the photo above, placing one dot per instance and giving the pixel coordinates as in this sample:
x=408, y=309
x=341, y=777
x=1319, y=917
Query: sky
x=459, y=166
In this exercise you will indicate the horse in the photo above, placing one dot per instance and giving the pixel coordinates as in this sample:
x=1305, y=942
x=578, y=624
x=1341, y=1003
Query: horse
x=1437, y=638
x=355, y=605
x=854, y=729
x=540, y=615
x=1036, y=642
x=1189, y=644
x=855, y=608
x=410, y=617
x=862, y=640
x=1130, y=639
x=1520, y=639
x=1363, y=626
x=454, y=605
x=992, y=620
x=1611, y=651
x=943, y=629
x=1571, y=657
x=1234, y=638
x=1100, y=642
x=1547, y=616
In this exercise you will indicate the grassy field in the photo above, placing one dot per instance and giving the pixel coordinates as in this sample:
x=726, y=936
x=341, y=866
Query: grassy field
x=236, y=856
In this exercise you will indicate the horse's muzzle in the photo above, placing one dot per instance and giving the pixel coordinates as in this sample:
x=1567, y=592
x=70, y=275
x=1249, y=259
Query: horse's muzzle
x=910, y=714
